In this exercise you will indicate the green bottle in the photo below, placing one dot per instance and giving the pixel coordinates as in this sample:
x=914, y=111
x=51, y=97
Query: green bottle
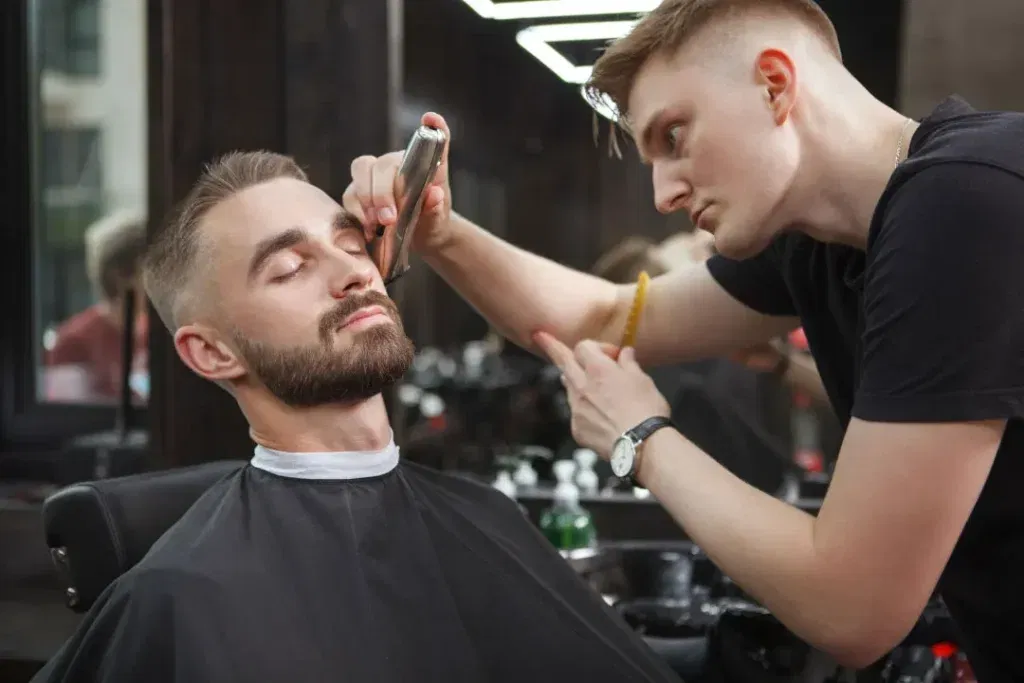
x=566, y=524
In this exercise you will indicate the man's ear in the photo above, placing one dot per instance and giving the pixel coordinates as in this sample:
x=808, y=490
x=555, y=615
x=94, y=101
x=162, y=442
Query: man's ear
x=201, y=349
x=776, y=74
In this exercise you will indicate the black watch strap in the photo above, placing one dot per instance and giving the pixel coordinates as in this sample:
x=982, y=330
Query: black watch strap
x=643, y=431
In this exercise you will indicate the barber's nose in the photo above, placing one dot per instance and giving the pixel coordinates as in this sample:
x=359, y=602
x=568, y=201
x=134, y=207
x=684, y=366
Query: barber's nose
x=670, y=193
x=349, y=274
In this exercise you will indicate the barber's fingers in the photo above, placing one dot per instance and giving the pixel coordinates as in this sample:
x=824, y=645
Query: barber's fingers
x=557, y=352
x=382, y=183
x=437, y=121
x=437, y=191
x=592, y=356
x=372, y=188
x=627, y=359
x=358, y=196
x=611, y=350
x=350, y=201
x=563, y=358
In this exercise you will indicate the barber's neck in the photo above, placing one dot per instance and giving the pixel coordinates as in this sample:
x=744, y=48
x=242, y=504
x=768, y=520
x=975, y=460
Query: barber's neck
x=849, y=155
x=360, y=426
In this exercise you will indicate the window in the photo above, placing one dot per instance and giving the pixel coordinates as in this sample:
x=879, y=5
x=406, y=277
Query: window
x=69, y=33
x=74, y=115
x=72, y=200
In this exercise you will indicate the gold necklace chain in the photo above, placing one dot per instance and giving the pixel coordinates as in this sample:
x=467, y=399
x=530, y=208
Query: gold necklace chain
x=899, y=143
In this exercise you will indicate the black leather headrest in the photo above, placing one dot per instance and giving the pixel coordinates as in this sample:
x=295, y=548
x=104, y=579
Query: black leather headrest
x=98, y=530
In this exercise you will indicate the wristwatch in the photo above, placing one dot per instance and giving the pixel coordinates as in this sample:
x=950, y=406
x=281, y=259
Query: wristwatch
x=625, y=460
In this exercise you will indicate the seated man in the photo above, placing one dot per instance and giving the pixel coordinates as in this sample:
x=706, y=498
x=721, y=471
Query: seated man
x=326, y=558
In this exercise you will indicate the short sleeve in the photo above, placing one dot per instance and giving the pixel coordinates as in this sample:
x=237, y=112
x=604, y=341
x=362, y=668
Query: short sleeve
x=943, y=337
x=756, y=282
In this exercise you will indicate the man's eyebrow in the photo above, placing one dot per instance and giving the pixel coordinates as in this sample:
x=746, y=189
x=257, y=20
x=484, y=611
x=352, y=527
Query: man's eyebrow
x=345, y=220
x=272, y=245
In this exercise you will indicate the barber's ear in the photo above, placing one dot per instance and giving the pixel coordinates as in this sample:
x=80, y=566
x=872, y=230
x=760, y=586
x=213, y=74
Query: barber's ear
x=201, y=349
x=776, y=74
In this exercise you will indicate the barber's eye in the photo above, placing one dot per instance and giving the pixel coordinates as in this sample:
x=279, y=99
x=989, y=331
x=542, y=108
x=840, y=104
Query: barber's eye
x=672, y=136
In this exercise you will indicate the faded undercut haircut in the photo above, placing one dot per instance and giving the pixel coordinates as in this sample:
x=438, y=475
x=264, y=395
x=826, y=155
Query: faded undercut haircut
x=670, y=26
x=171, y=262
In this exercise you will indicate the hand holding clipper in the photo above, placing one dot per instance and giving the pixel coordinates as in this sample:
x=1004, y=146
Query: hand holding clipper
x=389, y=247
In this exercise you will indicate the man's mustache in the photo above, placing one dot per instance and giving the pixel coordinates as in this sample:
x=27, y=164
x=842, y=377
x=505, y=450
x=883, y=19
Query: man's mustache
x=333, y=319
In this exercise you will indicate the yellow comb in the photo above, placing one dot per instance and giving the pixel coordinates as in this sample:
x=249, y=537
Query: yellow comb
x=633, y=321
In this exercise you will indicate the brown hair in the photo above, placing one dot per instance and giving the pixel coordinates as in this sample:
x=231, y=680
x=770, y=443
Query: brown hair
x=170, y=262
x=113, y=248
x=624, y=262
x=669, y=26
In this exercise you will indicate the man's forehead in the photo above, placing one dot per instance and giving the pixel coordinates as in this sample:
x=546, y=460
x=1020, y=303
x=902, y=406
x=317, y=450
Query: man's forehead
x=257, y=212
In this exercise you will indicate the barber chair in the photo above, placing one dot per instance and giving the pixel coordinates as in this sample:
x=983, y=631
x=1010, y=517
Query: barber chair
x=98, y=530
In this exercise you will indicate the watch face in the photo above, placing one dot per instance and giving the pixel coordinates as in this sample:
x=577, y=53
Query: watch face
x=623, y=454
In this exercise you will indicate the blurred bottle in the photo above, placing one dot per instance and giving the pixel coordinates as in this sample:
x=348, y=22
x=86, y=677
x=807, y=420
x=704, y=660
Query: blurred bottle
x=566, y=524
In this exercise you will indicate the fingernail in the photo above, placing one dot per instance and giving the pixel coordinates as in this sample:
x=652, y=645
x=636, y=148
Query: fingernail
x=386, y=214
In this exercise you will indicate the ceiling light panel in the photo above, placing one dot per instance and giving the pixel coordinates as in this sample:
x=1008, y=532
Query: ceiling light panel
x=537, y=40
x=547, y=9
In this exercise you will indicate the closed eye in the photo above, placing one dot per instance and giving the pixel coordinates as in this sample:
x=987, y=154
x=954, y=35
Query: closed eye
x=285, y=277
x=352, y=241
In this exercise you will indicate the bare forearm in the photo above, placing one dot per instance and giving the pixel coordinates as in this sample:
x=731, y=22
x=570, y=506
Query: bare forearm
x=802, y=375
x=519, y=292
x=766, y=546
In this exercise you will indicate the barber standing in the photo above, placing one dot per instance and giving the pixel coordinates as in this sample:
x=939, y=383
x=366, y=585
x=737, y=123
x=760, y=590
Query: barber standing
x=895, y=244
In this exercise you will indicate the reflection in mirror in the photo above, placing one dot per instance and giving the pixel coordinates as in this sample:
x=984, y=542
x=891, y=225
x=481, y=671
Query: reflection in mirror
x=89, y=135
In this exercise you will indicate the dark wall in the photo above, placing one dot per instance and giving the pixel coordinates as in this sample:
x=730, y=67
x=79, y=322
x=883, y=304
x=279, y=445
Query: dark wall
x=973, y=49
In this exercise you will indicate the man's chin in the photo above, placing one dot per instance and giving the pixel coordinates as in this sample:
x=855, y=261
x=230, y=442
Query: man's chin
x=738, y=243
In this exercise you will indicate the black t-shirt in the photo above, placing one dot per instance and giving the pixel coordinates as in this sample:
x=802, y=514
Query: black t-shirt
x=928, y=326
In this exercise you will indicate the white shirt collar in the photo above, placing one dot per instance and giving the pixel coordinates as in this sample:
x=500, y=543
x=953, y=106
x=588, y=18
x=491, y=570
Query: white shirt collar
x=328, y=465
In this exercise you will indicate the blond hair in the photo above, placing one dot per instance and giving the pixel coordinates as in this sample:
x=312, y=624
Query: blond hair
x=170, y=263
x=624, y=262
x=113, y=248
x=670, y=26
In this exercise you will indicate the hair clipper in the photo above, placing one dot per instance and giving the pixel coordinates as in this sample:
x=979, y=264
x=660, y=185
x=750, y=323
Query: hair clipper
x=390, y=248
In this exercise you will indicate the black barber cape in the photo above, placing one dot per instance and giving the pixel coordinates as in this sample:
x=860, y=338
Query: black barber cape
x=353, y=568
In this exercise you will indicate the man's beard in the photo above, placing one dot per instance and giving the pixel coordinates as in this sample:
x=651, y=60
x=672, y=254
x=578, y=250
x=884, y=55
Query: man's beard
x=319, y=374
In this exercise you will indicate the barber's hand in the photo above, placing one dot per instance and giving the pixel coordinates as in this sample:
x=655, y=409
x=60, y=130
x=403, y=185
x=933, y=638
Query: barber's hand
x=371, y=194
x=606, y=396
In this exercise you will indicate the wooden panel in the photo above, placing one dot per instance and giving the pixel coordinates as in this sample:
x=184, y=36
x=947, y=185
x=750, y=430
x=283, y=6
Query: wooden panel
x=970, y=48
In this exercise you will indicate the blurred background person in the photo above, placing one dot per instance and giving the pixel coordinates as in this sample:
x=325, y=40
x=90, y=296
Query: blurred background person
x=83, y=355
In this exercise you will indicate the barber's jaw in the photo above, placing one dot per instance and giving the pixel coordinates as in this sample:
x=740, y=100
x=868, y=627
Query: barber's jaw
x=301, y=317
x=719, y=136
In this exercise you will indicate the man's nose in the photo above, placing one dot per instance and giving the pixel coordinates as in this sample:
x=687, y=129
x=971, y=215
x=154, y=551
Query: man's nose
x=670, y=193
x=348, y=274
